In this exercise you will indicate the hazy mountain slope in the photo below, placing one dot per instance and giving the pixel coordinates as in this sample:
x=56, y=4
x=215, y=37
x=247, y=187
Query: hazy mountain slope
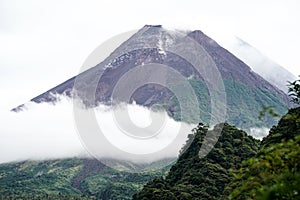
x=246, y=92
x=268, y=69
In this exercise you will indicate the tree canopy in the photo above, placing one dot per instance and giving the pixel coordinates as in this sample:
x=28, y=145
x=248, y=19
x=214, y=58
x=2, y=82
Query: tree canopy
x=294, y=91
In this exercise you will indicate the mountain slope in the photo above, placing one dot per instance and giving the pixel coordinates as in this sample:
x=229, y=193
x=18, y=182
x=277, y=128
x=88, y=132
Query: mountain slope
x=246, y=92
x=269, y=70
x=206, y=178
x=70, y=179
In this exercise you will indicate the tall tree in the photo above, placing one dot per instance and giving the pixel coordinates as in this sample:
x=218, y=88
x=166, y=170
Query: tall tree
x=294, y=91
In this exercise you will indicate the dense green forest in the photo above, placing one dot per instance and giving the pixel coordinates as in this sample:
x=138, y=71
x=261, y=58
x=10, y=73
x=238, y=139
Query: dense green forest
x=195, y=178
x=274, y=173
x=239, y=167
x=243, y=104
x=72, y=178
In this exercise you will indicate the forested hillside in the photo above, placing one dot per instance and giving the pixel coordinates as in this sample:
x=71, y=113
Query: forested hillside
x=274, y=173
x=206, y=178
x=72, y=178
x=239, y=167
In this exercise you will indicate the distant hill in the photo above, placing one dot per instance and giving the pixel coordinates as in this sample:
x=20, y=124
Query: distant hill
x=71, y=179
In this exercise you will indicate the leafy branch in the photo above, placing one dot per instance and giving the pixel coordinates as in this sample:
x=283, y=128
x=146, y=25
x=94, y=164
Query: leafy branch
x=294, y=91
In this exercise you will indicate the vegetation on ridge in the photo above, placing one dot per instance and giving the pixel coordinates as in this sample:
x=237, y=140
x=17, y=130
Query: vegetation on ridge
x=69, y=179
x=274, y=173
x=193, y=177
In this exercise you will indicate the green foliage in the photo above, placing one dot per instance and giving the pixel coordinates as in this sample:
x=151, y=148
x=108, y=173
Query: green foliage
x=193, y=177
x=275, y=171
x=69, y=179
x=273, y=174
x=235, y=168
x=267, y=110
x=294, y=91
x=32, y=177
x=243, y=104
x=288, y=127
x=46, y=196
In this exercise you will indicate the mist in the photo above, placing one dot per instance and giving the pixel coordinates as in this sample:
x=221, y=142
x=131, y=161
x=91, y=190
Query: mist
x=260, y=63
x=41, y=131
x=48, y=131
x=259, y=132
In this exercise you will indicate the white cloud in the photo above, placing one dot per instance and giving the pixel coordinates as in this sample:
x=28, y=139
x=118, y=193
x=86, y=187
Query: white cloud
x=44, y=131
x=259, y=133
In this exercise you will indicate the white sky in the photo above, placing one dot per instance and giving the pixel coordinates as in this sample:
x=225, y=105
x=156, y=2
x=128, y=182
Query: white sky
x=43, y=43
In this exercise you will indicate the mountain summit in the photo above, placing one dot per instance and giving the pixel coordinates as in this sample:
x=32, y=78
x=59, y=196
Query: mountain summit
x=246, y=92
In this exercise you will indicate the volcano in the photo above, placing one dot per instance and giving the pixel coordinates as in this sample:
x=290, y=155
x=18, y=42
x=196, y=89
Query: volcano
x=164, y=54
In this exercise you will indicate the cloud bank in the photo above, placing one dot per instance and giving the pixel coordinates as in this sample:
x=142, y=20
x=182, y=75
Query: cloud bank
x=47, y=131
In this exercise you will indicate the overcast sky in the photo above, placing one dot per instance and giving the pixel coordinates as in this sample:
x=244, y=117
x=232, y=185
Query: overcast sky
x=42, y=43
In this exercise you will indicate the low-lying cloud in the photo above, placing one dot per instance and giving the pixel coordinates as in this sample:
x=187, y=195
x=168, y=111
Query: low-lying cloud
x=41, y=131
x=47, y=131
